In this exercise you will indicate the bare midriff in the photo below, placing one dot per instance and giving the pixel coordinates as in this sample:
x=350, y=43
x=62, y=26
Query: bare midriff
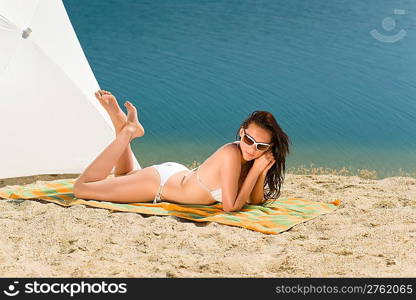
x=183, y=187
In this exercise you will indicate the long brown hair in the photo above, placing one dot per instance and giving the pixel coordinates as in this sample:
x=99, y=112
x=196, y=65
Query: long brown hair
x=280, y=149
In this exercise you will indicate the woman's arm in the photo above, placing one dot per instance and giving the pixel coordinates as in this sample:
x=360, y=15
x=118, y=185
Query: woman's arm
x=257, y=195
x=264, y=162
x=229, y=174
x=232, y=199
x=247, y=188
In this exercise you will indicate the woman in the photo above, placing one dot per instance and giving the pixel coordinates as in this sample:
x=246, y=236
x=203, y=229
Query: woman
x=235, y=174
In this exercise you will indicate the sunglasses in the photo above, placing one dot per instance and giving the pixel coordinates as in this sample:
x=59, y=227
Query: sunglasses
x=250, y=141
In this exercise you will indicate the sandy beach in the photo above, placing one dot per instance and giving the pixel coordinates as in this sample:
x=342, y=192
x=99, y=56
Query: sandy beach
x=371, y=234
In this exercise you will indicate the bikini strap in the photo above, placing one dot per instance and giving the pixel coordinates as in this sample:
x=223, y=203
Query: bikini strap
x=200, y=181
x=190, y=171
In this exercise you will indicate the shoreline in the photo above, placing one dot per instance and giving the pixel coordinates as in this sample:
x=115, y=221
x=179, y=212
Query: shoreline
x=300, y=170
x=371, y=234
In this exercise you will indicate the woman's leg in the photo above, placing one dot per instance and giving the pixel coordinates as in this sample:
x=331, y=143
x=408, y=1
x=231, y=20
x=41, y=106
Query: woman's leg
x=139, y=187
x=125, y=164
x=101, y=167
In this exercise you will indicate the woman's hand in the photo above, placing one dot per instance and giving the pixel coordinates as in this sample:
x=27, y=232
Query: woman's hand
x=271, y=163
x=264, y=162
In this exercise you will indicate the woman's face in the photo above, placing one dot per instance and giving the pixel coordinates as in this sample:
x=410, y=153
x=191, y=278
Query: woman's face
x=260, y=135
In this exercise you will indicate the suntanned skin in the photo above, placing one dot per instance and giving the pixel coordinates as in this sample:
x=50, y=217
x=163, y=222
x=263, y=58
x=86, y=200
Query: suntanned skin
x=225, y=168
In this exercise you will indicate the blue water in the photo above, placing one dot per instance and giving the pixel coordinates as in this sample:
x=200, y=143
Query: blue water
x=195, y=69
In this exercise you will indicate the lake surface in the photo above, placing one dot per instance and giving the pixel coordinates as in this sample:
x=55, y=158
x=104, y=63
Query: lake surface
x=339, y=76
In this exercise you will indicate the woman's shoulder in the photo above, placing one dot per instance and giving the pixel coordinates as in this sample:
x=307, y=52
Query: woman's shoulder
x=227, y=152
x=230, y=149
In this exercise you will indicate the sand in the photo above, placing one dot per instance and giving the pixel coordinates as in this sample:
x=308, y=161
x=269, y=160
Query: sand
x=372, y=234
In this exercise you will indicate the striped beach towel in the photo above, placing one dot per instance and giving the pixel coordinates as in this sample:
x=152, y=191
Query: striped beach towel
x=272, y=217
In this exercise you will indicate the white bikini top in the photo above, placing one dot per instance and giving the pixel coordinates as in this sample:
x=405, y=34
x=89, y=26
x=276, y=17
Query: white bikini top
x=216, y=194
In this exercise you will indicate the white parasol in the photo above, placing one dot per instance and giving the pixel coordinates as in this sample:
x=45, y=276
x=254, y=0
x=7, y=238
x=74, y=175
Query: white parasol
x=50, y=121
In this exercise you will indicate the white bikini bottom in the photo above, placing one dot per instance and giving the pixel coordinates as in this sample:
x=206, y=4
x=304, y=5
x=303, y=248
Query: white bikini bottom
x=165, y=171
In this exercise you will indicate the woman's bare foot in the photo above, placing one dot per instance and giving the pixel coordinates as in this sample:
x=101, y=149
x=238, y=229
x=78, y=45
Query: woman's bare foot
x=109, y=102
x=133, y=125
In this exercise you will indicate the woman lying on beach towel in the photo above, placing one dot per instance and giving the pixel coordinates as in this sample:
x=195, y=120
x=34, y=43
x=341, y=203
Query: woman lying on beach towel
x=236, y=174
